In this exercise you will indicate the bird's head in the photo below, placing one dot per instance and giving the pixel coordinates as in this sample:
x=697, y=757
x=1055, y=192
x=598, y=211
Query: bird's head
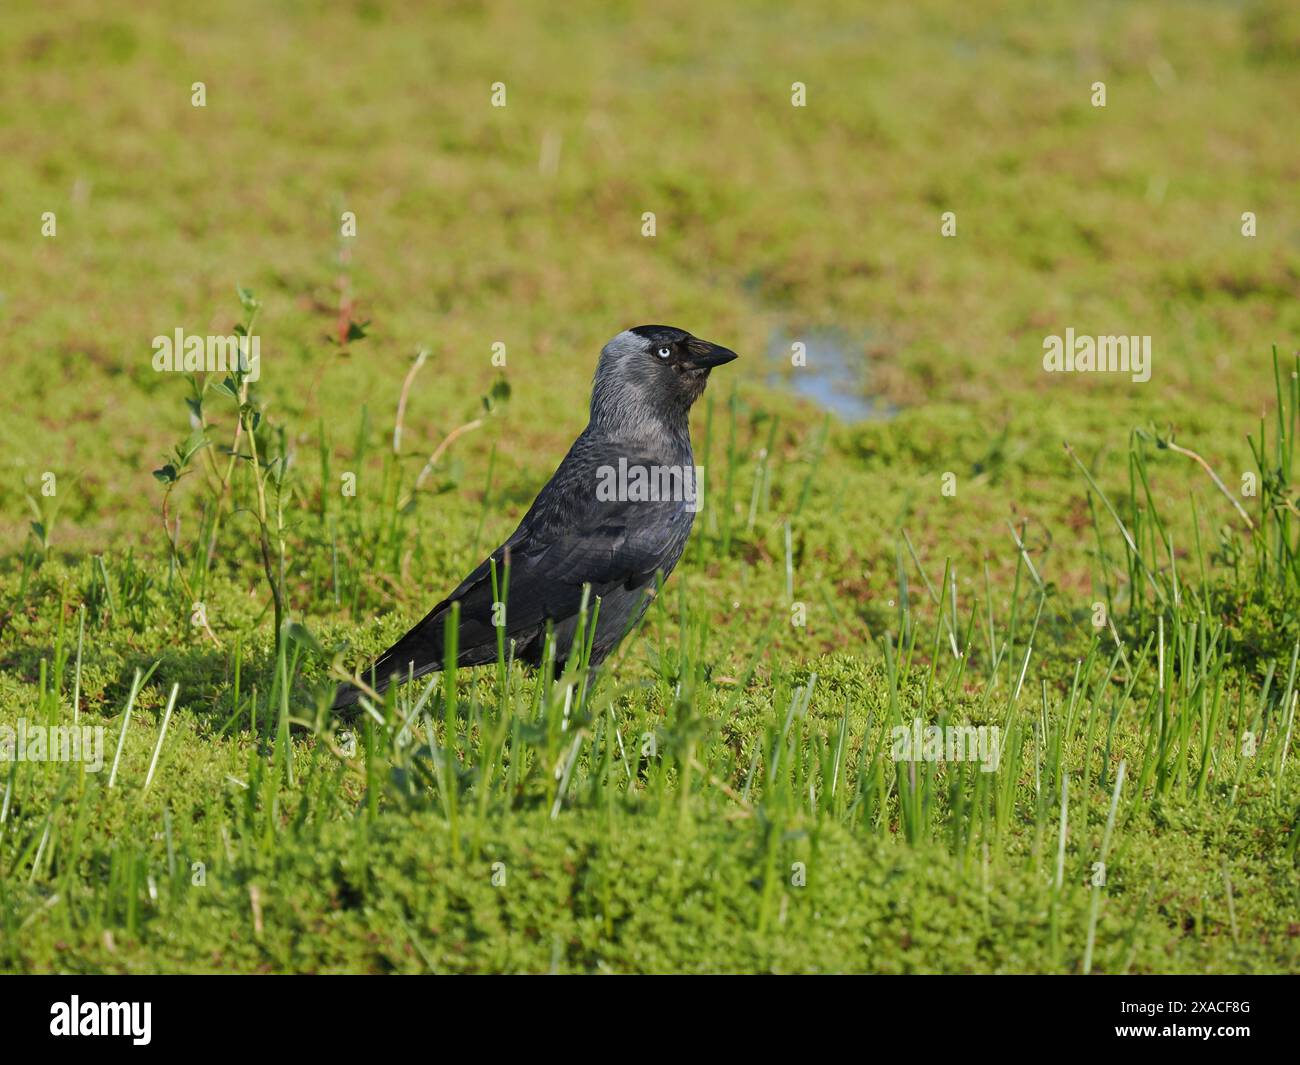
x=654, y=371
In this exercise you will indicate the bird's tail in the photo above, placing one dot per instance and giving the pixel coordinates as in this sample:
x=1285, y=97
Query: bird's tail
x=419, y=652
x=412, y=657
x=422, y=651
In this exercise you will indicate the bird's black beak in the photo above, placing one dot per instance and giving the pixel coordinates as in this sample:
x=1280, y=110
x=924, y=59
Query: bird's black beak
x=701, y=355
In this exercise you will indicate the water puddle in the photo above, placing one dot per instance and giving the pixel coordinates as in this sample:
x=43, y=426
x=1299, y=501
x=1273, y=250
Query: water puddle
x=834, y=376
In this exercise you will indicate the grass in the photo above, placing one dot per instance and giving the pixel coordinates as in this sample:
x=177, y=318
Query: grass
x=726, y=797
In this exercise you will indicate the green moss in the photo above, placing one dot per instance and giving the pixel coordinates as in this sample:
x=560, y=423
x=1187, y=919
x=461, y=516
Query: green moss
x=772, y=222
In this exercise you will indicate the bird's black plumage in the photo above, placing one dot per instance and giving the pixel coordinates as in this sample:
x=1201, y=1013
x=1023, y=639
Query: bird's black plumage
x=588, y=525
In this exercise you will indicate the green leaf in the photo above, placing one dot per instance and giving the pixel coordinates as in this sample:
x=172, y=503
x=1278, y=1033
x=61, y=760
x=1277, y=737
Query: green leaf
x=167, y=474
x=246, y=298
x=300, y=634
x=497, y=395
x=197, y=442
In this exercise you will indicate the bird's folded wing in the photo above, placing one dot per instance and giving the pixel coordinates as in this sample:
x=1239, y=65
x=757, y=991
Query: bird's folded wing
x=631, y=542
x=568, y=539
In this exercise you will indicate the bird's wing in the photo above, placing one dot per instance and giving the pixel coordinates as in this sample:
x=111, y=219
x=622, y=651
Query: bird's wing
x=568, y=538
x=621, y=546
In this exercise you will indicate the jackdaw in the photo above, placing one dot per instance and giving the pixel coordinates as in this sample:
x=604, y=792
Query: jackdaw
x=615, y=515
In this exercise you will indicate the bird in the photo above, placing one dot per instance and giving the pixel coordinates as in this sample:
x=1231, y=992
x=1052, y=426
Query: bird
x=614, y=518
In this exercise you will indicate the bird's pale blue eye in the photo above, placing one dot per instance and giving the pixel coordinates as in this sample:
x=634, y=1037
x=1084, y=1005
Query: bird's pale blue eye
x=664, y=353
